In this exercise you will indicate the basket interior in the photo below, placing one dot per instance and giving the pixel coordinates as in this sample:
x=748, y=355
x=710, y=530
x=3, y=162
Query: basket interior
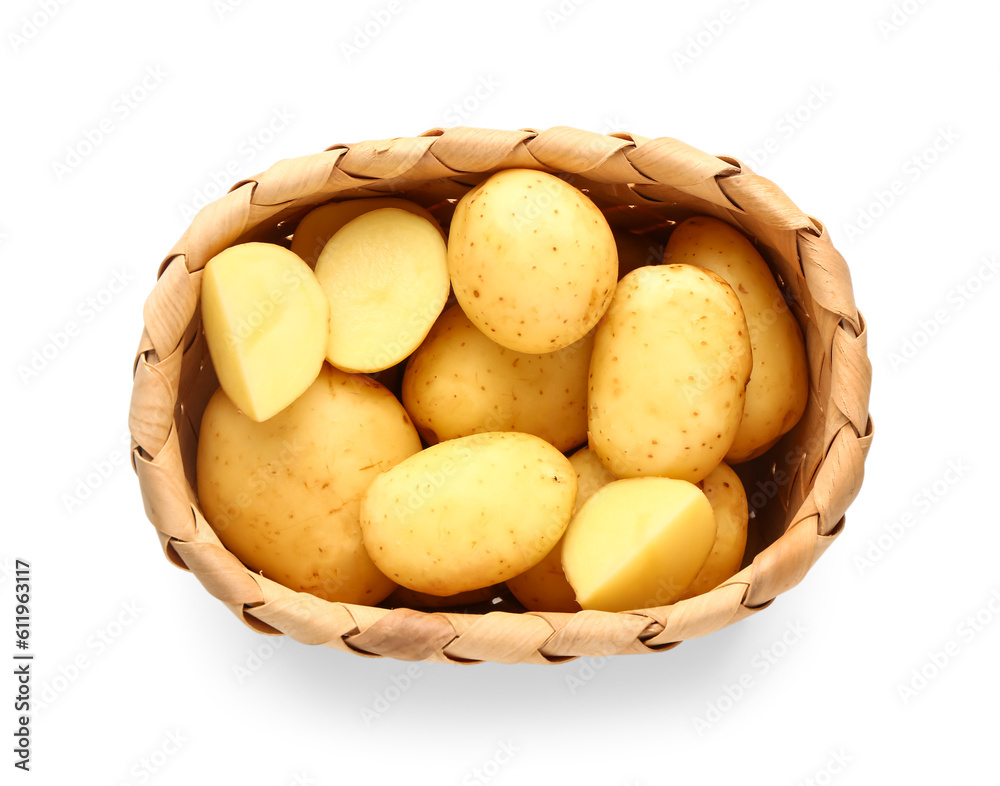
x=776, y=483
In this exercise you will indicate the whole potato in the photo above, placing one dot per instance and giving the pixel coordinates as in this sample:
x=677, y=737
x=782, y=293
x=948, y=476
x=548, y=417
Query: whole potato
x=668, y=374
x=532, y=260
x=544, y=587
x=284, y=495
x=779, y=385
x=468, y=513
x=459, y=382
x=728, y=499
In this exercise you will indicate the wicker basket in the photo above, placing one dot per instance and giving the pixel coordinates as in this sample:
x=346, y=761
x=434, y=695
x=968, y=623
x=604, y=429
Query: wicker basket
x=799, y=490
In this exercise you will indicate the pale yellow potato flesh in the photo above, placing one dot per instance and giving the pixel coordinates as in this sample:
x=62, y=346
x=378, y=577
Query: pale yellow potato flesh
x=532, y=260
x=468, y=513
x=544, y=587
x=668, y=374
x=638, y=543
x=266, y=322
x=284, y=495
x=779, y=385
x=320, y=224
x=459, y=382
x=385, y=275
x=728, y=499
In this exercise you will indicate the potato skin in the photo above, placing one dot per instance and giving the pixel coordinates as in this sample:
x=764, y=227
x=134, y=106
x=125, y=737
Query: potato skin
x=468, y=513
x=459, y=382
x=668, y=374
x=284, y=495
x=779, y=385
x=532, y=260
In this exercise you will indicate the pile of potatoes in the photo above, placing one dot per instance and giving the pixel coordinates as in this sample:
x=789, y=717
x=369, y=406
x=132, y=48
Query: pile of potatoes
x=564, y=423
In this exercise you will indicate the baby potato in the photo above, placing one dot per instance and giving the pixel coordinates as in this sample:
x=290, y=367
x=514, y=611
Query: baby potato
x=284, y=495
x=729, y=503
x=668, y=374
x=468, y=513
x=266, y=324
x=459, y=382
x=544, y=587
x=385, y=274
x=638, y=543
x=779, y=385
x=532, y=260
x=320, y=224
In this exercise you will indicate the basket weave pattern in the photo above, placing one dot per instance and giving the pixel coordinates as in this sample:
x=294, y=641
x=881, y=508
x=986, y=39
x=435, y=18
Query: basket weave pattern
x=640, y=183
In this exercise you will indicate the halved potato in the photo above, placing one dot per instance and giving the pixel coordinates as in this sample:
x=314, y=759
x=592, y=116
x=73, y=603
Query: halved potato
x=266, y=324
x=385, y=275
x=320, y=224
x=638, y=543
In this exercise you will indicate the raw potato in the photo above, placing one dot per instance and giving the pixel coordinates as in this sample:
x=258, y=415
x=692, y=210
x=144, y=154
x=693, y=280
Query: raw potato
x=266, y=322
x=459, y=382
x=668, y=374
x=729, y=503
x=319, y=225
x=284, y=495
x=638, y=543
x=386, y=276
x=544, y=587
x=468, y=513
x=779, y=386
x=532, y=260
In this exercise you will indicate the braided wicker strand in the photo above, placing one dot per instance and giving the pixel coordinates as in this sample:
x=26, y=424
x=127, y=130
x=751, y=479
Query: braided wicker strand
x=663, y=179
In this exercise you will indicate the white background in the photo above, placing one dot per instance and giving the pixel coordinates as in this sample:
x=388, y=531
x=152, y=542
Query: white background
x=140, y=676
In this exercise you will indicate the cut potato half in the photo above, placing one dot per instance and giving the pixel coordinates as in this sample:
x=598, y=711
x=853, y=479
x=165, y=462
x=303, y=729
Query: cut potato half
x=266, y=323
x=385, y=275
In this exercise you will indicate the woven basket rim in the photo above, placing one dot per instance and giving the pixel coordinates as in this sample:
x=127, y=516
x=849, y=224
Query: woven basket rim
x=656, y=174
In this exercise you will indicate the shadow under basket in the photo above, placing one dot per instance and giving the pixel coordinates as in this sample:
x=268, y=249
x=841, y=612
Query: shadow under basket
x=799, y=490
